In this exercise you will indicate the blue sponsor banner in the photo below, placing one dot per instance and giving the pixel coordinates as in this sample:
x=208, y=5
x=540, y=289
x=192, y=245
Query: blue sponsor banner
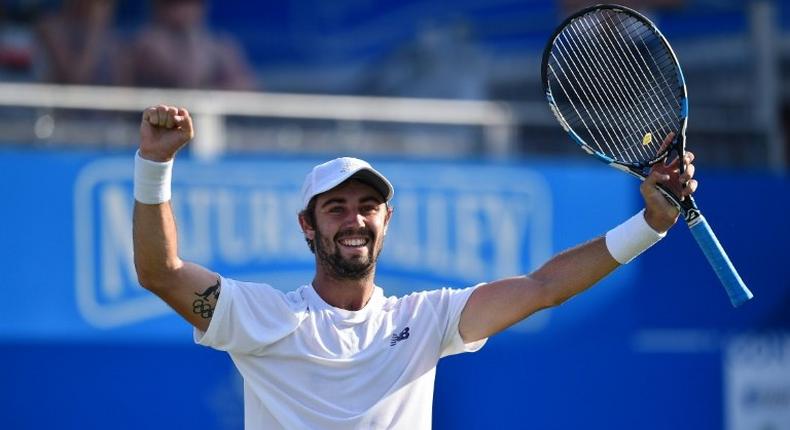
x=654, y=346
x=455, y=224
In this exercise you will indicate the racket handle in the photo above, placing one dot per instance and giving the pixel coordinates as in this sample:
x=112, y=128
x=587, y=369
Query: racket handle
x=733, y=284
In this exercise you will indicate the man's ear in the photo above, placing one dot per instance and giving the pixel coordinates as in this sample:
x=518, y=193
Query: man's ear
x=387, y=218
x=307, y=229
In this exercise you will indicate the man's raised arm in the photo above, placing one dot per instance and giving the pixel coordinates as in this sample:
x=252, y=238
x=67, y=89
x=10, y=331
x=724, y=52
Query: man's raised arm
x=496, y=306
x=188, y=288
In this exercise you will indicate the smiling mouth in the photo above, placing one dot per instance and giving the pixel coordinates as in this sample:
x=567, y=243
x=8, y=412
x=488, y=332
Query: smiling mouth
x=354, y=242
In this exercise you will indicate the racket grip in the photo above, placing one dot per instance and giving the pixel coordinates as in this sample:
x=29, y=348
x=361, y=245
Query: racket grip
x=733, y=284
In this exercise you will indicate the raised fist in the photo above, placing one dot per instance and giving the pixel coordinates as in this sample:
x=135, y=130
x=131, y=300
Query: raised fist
x=163, y=131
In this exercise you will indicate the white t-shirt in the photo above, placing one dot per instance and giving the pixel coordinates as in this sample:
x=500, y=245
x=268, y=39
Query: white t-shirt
x=308, y=365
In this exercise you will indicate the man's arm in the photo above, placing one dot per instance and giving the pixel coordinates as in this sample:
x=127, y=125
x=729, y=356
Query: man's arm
x=496, y=306
x=188, y=288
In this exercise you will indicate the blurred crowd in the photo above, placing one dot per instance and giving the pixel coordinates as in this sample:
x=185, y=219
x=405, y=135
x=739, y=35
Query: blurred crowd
x=77, y=42
x=477, y=50
x=80, y=42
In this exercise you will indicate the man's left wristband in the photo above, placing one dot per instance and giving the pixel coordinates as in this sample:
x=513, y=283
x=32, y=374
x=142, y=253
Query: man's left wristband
x=152, y=180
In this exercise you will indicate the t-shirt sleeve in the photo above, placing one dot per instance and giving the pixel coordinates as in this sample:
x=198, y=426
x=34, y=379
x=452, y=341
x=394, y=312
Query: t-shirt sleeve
x=449, y=303
x=249, y=316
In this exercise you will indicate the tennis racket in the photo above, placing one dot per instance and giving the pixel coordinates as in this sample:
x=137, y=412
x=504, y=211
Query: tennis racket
x=615, y=85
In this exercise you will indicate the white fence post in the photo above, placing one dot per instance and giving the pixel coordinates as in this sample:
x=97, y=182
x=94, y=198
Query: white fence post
x=210, y=137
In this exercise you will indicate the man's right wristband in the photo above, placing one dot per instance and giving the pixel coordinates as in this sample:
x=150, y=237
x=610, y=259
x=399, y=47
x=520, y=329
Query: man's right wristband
x=152, y=180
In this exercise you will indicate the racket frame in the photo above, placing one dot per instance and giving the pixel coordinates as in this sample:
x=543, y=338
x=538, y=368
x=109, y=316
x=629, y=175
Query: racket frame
x=687, y=206
x=736, y=289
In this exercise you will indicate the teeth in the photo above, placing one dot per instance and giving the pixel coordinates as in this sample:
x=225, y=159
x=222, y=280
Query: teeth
x=354, y=242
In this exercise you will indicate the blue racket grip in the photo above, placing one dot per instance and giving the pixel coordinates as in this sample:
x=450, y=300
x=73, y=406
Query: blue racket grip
x=722, y=265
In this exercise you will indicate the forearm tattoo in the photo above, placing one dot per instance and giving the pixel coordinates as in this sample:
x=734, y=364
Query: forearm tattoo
x=206, y=302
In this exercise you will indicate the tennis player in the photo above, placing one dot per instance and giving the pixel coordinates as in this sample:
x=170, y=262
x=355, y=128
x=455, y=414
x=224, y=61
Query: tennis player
x=337, y=353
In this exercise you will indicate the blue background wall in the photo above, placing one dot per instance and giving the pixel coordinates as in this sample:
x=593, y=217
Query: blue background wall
x=644, y=349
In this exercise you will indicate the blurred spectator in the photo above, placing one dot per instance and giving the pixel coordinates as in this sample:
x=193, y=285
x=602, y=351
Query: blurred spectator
x=178, y=50
x=79, y=45
x=443, y=61
x=16, y=40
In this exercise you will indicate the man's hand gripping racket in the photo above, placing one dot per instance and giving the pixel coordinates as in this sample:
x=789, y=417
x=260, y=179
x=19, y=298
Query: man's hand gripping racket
x=676, y=178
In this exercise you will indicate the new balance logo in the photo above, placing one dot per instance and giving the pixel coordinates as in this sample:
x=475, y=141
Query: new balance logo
x=403, y=335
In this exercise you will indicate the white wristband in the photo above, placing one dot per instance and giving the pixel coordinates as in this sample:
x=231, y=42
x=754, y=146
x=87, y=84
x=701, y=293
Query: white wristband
x=631, y=238
x=152, y=180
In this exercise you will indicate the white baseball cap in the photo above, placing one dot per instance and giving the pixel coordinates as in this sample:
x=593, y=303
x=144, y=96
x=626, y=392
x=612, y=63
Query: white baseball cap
x=328, y=175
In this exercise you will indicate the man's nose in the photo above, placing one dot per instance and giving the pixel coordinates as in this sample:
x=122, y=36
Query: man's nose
x=354, y=219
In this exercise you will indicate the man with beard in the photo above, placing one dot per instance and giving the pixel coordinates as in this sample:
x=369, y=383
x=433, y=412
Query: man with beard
x=337, y=353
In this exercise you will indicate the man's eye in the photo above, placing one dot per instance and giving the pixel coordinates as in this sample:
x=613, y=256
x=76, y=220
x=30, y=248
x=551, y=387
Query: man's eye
x=335, y=209
x=368, y=209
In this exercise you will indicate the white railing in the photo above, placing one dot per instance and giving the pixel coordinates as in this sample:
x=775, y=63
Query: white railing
x=498, y=120
x=209, y=108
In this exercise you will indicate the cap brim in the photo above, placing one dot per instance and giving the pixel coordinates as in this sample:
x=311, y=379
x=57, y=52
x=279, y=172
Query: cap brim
x=375, y=180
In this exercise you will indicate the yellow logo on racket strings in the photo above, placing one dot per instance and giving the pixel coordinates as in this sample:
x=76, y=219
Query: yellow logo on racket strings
x=648, y=139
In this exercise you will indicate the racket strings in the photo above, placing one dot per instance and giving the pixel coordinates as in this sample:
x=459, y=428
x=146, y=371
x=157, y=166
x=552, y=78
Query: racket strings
x=601, y=100
x=625, y=119
x=611, y=78
x=594, y=109
x=637, y=28
x=623, y=122
x=643, y=98
x=668, y=102
x=628, y=48
x=667, y=66
x=643, y=95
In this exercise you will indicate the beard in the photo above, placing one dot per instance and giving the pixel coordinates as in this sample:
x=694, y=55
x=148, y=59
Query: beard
x=344, y=268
